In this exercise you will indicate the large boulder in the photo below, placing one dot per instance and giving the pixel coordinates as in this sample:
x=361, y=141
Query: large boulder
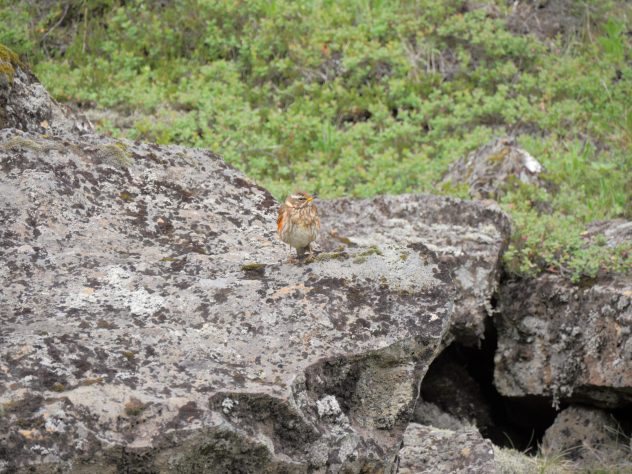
x=151, y=321
x=589, y=437
x=431, y=450
x=468, y=236
x=490, y=169
x=566, y=341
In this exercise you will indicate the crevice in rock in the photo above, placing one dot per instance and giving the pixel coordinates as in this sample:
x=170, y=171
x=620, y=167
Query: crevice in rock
x=375, y=390
x=460, y=383
x=260, y=414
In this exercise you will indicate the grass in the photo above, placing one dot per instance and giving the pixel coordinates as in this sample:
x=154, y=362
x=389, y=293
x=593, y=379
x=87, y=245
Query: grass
x=511, y=461
x=363, y=97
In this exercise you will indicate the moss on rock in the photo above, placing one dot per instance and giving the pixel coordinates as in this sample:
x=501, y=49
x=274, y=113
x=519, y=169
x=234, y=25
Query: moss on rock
x=8, y=61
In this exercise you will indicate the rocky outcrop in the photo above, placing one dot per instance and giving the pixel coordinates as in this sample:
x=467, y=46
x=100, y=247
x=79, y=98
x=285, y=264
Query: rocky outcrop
x=565, y=341
x=488, y=170
x=432, y=450
x=590, y=438
x=151, y=321
x=468, y=236
x=150, y=318
x=26, y=105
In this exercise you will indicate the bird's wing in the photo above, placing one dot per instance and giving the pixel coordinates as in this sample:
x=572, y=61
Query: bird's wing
x=280, y=218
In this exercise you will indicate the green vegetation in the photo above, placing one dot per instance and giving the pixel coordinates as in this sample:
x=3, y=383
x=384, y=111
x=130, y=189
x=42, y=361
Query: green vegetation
x=363, y=256
x=8, y=60
x=253, y=267
x=362, y=97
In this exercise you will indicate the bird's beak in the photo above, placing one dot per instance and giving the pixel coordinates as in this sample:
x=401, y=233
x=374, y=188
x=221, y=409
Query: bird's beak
x=311, y=198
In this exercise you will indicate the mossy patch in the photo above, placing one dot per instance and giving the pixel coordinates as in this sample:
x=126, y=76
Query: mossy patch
x=253, y=267
x=365, y=254
x=497, y=158
x=92, y=381
x=8, y=61
x=199, y=250
x=17, y=142
x=114, y=154
x=129, y=355
x=30, y=423
x=326, y=256
x=134, y=407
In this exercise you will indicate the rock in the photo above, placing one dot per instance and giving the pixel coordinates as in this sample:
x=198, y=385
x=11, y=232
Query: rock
x=564, y=341
x=432, y=450
x=546, y=19
x=488, y=170
x=427, y=413
x=611, y=233
x=26, y=105
x=589, y=437
x=150, y=320
x=469, y=237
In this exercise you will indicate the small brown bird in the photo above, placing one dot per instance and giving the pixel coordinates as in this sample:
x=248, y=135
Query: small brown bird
x=298, y=223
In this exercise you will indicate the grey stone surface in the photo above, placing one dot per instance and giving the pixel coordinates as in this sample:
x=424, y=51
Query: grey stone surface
x=566, y=341
x=432, y=450
x=589, y=437
x=427, y=413
x=150, y=320
x=489, y=169
x=468, y=236
x=26, y=105
x=611, y=233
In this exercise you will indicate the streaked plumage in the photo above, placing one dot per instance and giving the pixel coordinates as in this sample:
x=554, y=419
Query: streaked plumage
x=298, y=223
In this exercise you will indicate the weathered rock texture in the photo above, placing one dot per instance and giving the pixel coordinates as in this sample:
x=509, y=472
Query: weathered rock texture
x=468, y=236
x=428, y=413
x=590, y=437
x=488, y=170
x=26, y=105
x=548, y=19
x=611, y=233
x=564, y=341
x=149, y=319
x=432, y=450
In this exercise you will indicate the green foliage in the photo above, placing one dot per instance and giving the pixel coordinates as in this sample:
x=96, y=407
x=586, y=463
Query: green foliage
x=14, y=27
x=362, y=97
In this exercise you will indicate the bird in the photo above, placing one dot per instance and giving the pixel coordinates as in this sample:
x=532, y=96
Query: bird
x=298, y=223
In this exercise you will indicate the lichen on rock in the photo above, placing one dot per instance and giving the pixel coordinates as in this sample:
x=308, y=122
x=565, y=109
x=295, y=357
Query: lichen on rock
x=565, y=341
x=469, y=237
x=166, y=329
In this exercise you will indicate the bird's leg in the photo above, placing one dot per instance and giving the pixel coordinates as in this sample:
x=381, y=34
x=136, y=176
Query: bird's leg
x=311, y=252
x=290, y=258
x=300, y=252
